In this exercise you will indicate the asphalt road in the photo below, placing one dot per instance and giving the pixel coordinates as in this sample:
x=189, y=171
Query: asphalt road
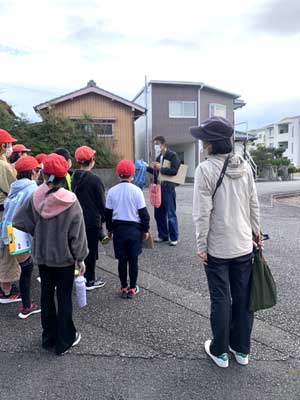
x=152, y=347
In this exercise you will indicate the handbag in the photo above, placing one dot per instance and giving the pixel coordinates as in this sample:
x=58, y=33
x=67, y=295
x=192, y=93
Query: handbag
x=155, y=191
x=263, y=292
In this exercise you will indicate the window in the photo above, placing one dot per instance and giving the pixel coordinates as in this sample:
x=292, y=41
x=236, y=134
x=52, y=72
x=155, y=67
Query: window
x=217, y=110
x=284, y=145
x=271, y=132
x=283, y=128
x=182, y=109
x=102, y=128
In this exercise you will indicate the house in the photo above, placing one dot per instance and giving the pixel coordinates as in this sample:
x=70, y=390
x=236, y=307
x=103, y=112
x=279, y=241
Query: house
x=6, y=107
x=113, y=116
x=172, y=108
x=285, y=134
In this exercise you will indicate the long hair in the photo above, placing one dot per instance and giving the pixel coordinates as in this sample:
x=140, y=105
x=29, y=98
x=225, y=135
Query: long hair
x=57, y=184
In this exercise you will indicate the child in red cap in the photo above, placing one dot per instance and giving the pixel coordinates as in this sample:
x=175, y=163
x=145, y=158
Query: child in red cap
x=20, y=191
x=90, y=192
x=127, y=221
x=9, y=268
x=54, y=216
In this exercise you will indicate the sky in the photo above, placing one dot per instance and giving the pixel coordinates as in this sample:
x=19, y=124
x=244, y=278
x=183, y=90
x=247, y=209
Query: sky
x=251, y=47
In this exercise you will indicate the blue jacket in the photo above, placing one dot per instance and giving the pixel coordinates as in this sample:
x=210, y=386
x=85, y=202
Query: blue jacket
x=20, y=190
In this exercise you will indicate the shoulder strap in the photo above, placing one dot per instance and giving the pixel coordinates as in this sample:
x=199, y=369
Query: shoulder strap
x=220, y=180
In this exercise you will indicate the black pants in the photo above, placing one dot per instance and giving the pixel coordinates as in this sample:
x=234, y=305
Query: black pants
x=92, y=234
x=25, y=282
x=229, y=287
x=58, y=327
x=132, y=262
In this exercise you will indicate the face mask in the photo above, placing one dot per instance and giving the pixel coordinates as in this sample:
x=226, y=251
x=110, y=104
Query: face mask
x=157, y=150
x=8, y=150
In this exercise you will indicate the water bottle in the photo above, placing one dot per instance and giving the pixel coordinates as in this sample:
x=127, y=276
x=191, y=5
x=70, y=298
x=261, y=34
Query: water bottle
x=80, y=291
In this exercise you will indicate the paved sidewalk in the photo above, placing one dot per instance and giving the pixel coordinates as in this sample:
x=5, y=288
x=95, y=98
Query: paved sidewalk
x=152, y=347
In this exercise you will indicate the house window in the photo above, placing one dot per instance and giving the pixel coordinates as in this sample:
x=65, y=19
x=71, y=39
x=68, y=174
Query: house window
x=217, y=110
x=283, y=128
x=102, y=128
x=182, y=109
x=271, y=132
x=284, y=145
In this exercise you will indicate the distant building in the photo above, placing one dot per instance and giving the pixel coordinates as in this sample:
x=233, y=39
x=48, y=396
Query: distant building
x=285, y=134
x=172, y=108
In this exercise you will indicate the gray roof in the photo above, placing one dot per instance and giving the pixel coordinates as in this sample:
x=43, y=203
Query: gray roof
x=186, y=83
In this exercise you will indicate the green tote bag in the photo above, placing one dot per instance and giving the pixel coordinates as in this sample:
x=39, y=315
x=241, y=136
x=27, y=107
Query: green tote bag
x=263, y=292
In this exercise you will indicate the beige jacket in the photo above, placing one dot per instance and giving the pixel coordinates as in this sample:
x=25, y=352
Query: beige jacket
x=7, y=177
x=224, y=225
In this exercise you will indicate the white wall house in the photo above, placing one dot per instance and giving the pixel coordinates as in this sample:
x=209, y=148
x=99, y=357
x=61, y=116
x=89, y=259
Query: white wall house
x=286, y=134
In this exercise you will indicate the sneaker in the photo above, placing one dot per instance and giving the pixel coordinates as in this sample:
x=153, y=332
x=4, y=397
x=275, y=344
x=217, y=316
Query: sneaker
x=105, y=240
x=10, y=298
x=26, y=312
x=39, y=279
x=173, y=242
x=133, y=292
x=99, y=283
x=75, y=343
x=222, y=361
x=124, y=292
x=241, y=358
x=160, y=240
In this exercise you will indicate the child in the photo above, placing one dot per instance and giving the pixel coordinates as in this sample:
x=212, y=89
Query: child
x=61, y=151
x=54, y=216
x=127, y=220
x=18, y=150
x=9, y=267
x=90, y=192
x=20, y=190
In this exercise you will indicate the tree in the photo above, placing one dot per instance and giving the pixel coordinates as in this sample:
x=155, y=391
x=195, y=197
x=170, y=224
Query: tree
x=269, y=156
x=57, y=131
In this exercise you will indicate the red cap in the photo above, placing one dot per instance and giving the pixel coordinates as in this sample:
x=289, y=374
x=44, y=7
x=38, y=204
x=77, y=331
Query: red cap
x=55, y=165
x=6, y=137
x=40, y=157
x=125, y=168
x=84, y=153
x=26, y=164
x=17, y=148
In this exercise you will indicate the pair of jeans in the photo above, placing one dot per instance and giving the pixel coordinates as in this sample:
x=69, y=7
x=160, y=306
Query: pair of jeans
x=58, y=327
x=133, y=271
x=25, y=281
x=165, y=215
x=92, y=235
x=229, y=282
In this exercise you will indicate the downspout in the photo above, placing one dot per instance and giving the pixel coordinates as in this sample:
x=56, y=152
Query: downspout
x=199, y=150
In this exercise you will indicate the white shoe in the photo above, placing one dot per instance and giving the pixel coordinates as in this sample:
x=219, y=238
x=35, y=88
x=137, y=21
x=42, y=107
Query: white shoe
x=241, y=358
x=222, y=361
x=75, y=343
x=173, y=242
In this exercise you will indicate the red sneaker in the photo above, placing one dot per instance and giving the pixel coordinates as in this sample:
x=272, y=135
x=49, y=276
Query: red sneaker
x=124, y=292
x=26, y=312
x=10, y=298
x=133, y=292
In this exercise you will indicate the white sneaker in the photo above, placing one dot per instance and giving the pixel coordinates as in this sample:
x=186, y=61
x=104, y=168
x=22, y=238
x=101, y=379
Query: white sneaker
x=173, y=242
x=241, y=358
x=222, y=361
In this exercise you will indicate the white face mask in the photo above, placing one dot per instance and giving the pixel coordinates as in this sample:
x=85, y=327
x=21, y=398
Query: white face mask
x=157, y=150
x=8, y=150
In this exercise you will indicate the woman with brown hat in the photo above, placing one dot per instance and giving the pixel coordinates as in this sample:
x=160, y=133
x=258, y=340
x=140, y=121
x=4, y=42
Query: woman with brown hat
x=226, y=215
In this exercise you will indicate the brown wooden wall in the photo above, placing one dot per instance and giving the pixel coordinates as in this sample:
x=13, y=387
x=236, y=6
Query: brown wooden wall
x=97, y=106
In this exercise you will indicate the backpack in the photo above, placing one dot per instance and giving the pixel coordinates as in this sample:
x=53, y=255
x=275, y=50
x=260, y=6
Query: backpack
x=139, y=178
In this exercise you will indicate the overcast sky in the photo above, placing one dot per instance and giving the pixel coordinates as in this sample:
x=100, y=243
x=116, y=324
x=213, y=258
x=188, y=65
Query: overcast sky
x=251, y=47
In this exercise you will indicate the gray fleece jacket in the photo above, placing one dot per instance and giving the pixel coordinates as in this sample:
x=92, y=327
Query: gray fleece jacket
x=56, y=223
x=224, y=225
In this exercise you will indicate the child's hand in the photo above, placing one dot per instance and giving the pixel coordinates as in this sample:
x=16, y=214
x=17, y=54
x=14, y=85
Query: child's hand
x=146, y=235
x=81, y=267
x=110, y=235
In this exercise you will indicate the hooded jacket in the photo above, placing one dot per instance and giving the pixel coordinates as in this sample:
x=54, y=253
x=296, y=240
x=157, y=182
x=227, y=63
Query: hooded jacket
x=7, y=177
x=20, y=190
x=56, y=223
x=224, y=225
